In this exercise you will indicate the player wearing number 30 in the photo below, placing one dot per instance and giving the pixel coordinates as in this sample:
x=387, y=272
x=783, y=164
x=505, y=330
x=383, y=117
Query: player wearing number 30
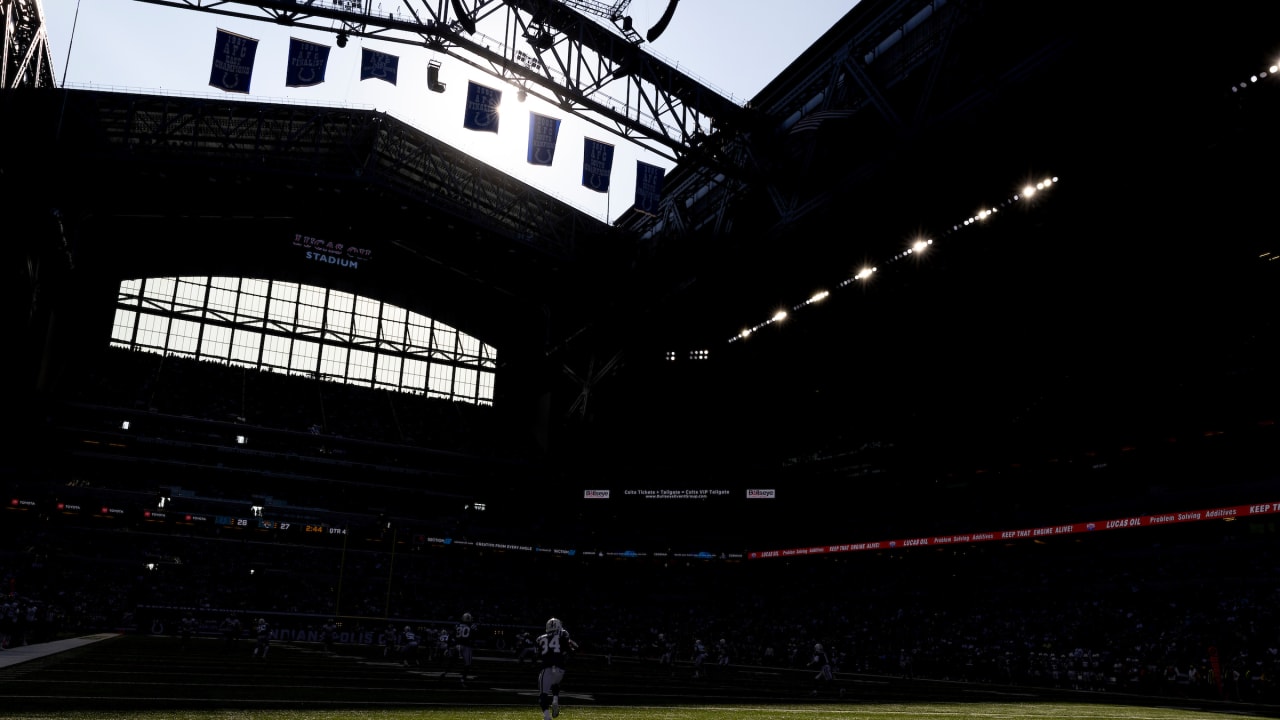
x=554, y=647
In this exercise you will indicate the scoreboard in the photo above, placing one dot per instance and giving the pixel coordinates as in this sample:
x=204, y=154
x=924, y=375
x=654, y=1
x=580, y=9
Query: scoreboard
x=96, y=511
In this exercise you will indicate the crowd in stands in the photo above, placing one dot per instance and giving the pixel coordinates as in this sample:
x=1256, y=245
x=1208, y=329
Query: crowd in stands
x=1187, y=612
x=172, y=385
x=1182, y=610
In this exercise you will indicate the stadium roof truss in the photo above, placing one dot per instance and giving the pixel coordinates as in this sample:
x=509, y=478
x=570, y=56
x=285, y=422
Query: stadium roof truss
x=27, y=61
x=331, y=142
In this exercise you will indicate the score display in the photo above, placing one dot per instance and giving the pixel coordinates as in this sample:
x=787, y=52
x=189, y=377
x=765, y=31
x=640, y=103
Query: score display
x=98, y=510
x=321, y=529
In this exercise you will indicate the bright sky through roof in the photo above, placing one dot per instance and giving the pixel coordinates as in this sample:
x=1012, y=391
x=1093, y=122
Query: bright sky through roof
x=733, y=46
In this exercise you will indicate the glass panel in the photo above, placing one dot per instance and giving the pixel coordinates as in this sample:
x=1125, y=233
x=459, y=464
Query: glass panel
x=393, y=324
x=310, y=307
x=311, y=317
x=464, y=383
x=184, y=336
x=254, y=286
x=333, y=361
x=366, y=327
x=275, y=351
x=419, y=332
x=441, y=379
x=389, y=371
x=415, y=375
x=367, y=307
x=192, y=290
x=129, y=290
x=470, y=346
x=485, y=380
x=311, y=295
x=244, y=345
x=160, y=289
x=284, y=303
x=444, y=338
x=338, y=318
x=251, y=307
x=305, y=356
x=216, y=342
x=122, y=327
x=222, y=300
x=152, y=330
x=360, y=366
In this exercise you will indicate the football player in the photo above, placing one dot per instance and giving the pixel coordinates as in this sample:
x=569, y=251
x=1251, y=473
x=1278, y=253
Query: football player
x=554, y=647
x=263, y=632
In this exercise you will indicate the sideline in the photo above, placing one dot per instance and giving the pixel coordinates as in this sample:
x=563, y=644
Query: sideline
x=23, y=653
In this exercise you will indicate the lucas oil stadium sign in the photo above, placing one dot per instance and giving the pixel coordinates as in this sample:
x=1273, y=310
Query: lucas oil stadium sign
x=317, y=250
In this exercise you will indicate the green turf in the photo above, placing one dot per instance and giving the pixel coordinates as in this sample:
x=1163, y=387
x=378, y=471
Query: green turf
x=888, y=711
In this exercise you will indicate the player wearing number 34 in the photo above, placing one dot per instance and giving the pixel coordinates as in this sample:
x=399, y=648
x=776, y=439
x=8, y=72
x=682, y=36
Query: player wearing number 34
x=554, y=647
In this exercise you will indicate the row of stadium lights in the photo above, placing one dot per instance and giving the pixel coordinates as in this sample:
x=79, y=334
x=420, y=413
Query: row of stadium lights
x=917, y=247
x=1245, y=85
x=1254, y=79
x=921, y=245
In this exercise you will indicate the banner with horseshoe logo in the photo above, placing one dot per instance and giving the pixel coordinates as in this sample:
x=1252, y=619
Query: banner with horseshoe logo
x=597, y=165
x=648, y=187
x=378, y=65
x=232, y=61
x=542, y=138
x=307, y=63
x=482, y=108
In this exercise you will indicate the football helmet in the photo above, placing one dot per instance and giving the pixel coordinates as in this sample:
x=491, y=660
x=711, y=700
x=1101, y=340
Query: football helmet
x=553, y=625
x=817, y=647
x=466, y=617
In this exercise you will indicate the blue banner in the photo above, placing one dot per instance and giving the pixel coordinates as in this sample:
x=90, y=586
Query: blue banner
x=482, y=108
x=307, y=62
x=648, y=187
x=232, y=62
x=376, y=65
x=597, y=165
x=542, y=138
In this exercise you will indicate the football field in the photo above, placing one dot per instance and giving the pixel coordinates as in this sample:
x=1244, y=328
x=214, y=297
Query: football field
x=145, y=677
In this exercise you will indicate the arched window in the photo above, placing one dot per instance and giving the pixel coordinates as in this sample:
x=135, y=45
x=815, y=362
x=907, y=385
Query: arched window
x=303, y=330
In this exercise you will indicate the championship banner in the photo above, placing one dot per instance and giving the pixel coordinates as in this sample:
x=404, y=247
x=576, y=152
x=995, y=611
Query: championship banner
x=542, y=138
x=597, y=164
x=482, y=108
x=648, y=187
x=232, y=61
x=376, y=65
x=307, y=62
